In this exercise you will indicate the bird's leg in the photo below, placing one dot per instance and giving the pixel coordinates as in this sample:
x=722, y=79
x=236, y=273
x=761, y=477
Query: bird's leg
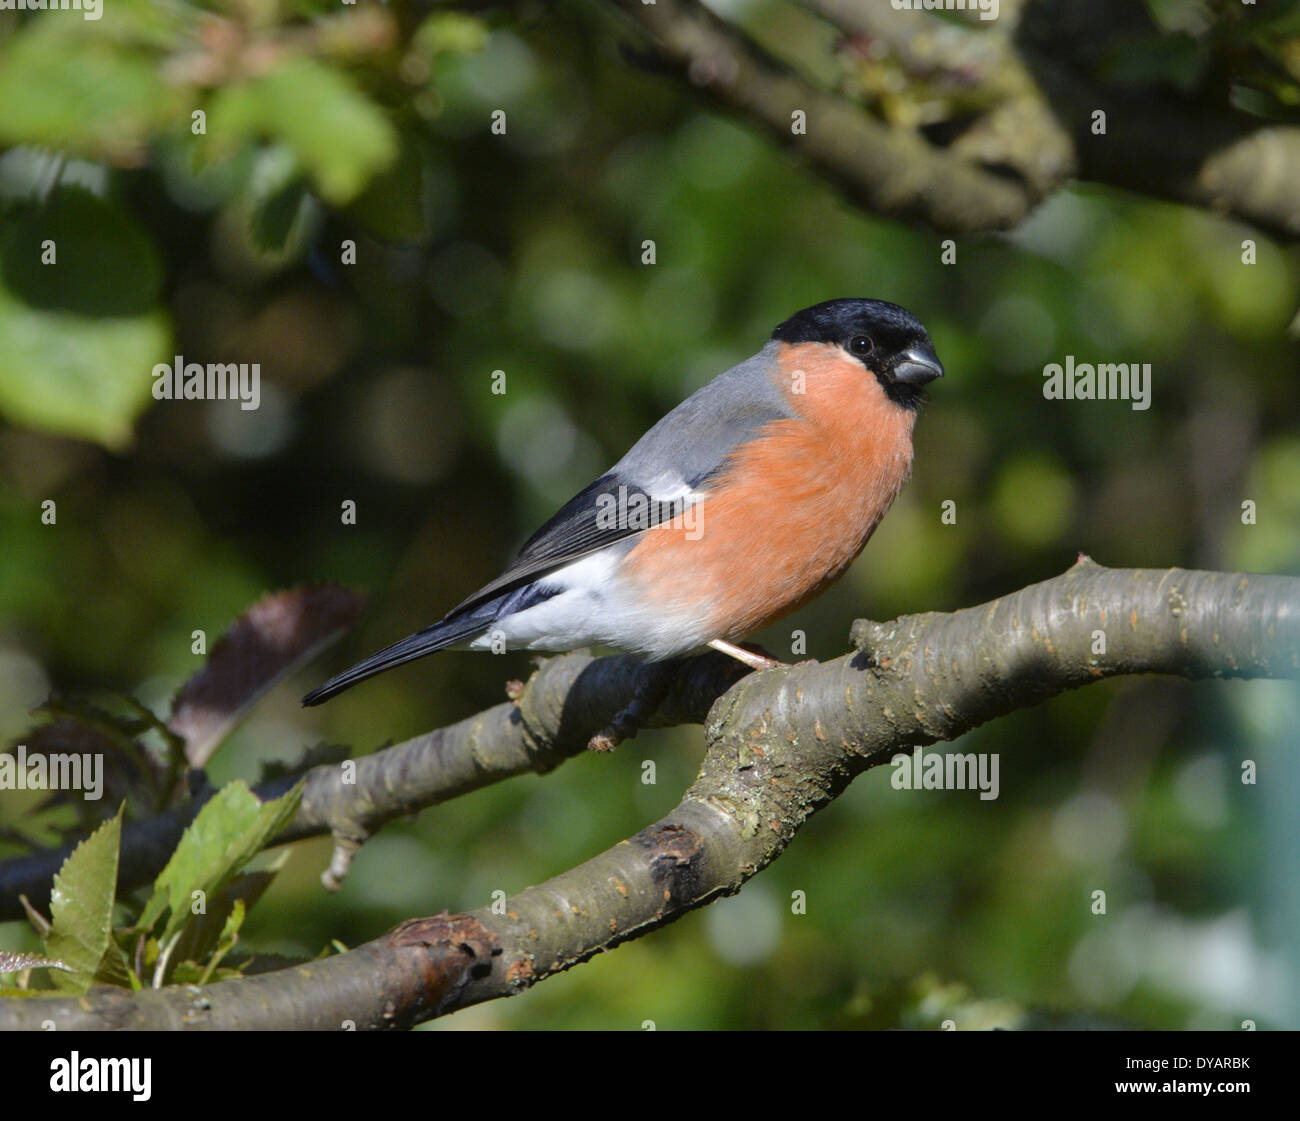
x=649, y=694
x=749, y=657
x=653, y=689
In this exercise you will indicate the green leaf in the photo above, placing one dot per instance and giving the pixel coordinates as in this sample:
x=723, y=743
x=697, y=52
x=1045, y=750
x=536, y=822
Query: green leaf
x=450, y=31
x=397, y=205
x=190, y=971
x=276, y=208
x=230, y=931
x=340, y=138
x=205, y=933
x=76, y=375
x=229, y=936
x=105, y=264
x=110, y=96
x=275, y=217
x=79, y=337
x=193, y=973
x=228, y=832
x=81, y=909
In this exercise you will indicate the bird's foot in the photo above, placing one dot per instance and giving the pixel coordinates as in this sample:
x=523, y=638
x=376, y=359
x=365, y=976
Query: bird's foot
x=648, y=696
x=605, y=740
x=624, y=724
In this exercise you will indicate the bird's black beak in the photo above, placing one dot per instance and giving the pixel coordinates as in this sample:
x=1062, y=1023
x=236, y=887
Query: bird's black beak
x=917, y=366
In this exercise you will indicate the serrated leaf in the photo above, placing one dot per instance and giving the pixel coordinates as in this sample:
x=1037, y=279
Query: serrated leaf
x=81, y=910
x=225, y=835
x=339, y=136
x=278, y=215
x=274, y=636
x=230, y=930
x=229, y=936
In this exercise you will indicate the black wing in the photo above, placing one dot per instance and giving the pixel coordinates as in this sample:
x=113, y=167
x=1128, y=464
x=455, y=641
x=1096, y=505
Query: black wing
x=610, y=510
x=683, y=451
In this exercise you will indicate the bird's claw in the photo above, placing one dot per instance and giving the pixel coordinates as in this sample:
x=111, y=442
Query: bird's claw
x=604, y=741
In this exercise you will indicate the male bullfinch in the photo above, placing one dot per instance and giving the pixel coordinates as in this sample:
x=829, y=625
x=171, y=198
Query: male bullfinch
x=739, y=506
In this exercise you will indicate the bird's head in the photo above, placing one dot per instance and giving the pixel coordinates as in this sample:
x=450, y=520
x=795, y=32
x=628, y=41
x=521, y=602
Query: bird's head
x=889, y=341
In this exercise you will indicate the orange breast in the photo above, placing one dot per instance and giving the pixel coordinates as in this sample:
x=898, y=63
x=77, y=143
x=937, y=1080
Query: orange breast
x=793, y=508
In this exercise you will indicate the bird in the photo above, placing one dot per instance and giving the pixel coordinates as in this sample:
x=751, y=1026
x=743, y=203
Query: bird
x=737, y=508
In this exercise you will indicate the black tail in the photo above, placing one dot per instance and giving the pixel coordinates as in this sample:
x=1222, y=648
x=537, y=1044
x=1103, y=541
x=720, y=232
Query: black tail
x=437, y=637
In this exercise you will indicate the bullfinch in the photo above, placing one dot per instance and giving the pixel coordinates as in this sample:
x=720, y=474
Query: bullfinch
x=736, y=508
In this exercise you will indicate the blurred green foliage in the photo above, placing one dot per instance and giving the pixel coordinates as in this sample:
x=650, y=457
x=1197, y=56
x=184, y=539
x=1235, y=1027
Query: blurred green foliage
x=522, y=252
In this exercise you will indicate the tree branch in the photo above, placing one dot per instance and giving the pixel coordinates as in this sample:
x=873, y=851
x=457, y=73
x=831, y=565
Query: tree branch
x=892, y=171
x=1020, y=95
x=567, y=701
x=1189, y=150
x=781, y=744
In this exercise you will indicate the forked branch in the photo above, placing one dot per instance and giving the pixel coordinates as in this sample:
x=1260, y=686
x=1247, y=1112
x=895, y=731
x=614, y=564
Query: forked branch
x=782, y=743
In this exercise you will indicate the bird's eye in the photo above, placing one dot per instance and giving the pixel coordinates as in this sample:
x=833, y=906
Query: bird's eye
x=861, y=345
